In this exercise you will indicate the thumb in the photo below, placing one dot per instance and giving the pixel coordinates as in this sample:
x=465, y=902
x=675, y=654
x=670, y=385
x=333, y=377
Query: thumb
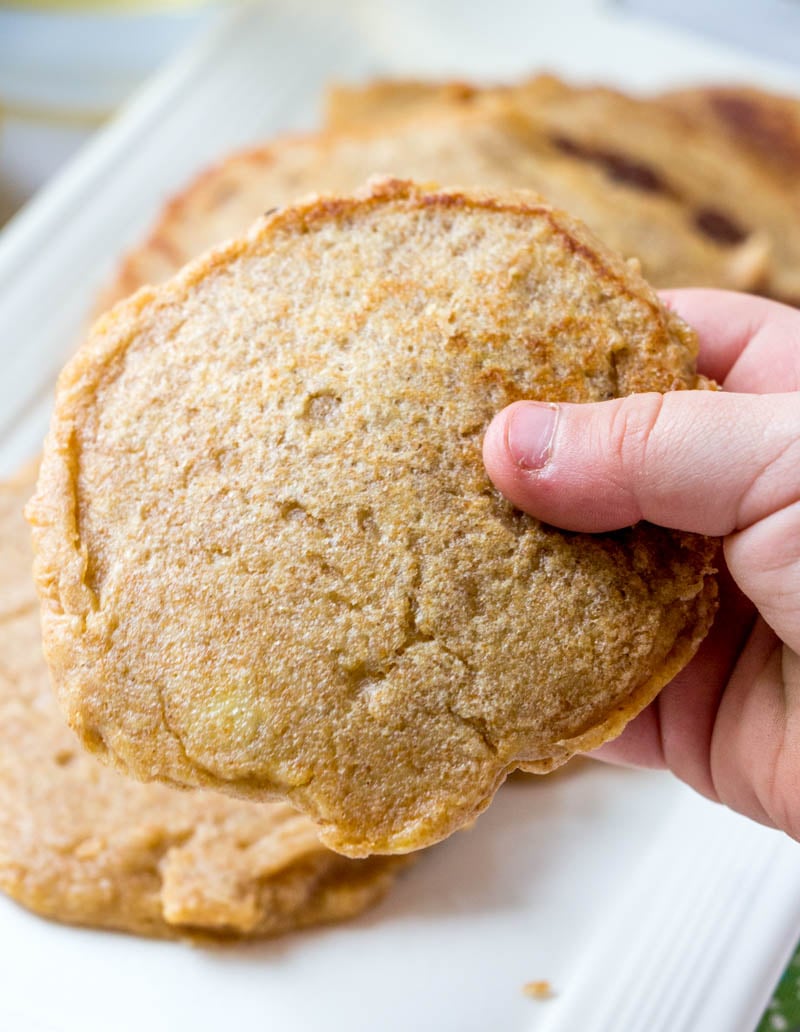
x=704, y=461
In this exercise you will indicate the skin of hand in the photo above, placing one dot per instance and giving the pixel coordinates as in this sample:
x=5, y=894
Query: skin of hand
x=724, y=463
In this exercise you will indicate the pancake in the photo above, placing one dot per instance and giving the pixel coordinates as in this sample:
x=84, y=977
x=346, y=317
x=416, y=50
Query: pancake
x=81, y=843
x=270, y=559
x=349, y=106
x=766, y=124
x=728, y=195
x=728, y=158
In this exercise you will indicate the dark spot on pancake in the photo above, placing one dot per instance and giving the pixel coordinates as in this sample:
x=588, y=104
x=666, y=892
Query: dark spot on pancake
x=618, y=166
x=719, y=227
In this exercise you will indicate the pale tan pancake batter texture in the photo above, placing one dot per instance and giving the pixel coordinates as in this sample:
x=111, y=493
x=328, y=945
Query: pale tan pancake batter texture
x=83, y=844
x=269, y=556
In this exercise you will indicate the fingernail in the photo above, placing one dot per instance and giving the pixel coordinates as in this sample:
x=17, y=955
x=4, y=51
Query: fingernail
x=529, y=433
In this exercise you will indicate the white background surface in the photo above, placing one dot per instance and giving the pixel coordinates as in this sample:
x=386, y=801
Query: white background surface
x=63, y=73
x=768, y=27
x=646, y=907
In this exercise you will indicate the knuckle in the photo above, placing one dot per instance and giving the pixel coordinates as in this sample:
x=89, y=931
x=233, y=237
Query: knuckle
x=772, y=481
x=632, y=432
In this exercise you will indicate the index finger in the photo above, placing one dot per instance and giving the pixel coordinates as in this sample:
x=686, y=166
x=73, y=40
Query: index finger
x=747, y=343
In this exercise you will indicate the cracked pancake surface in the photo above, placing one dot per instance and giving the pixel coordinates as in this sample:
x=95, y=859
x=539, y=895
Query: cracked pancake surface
x=81, y=843
x=269, y=556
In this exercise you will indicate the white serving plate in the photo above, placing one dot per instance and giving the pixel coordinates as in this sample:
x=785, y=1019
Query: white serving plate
x=646, y=907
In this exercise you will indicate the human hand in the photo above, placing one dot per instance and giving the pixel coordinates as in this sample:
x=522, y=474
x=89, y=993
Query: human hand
x=721, y=463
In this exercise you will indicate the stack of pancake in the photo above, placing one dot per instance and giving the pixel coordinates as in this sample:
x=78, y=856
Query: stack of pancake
x=701, y=186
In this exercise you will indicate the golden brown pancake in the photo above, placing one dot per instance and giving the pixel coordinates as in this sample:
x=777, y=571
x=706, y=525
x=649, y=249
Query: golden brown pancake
x=269, y=556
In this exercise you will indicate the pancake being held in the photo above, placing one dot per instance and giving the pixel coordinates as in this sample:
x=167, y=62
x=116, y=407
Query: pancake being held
x=269, y=556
